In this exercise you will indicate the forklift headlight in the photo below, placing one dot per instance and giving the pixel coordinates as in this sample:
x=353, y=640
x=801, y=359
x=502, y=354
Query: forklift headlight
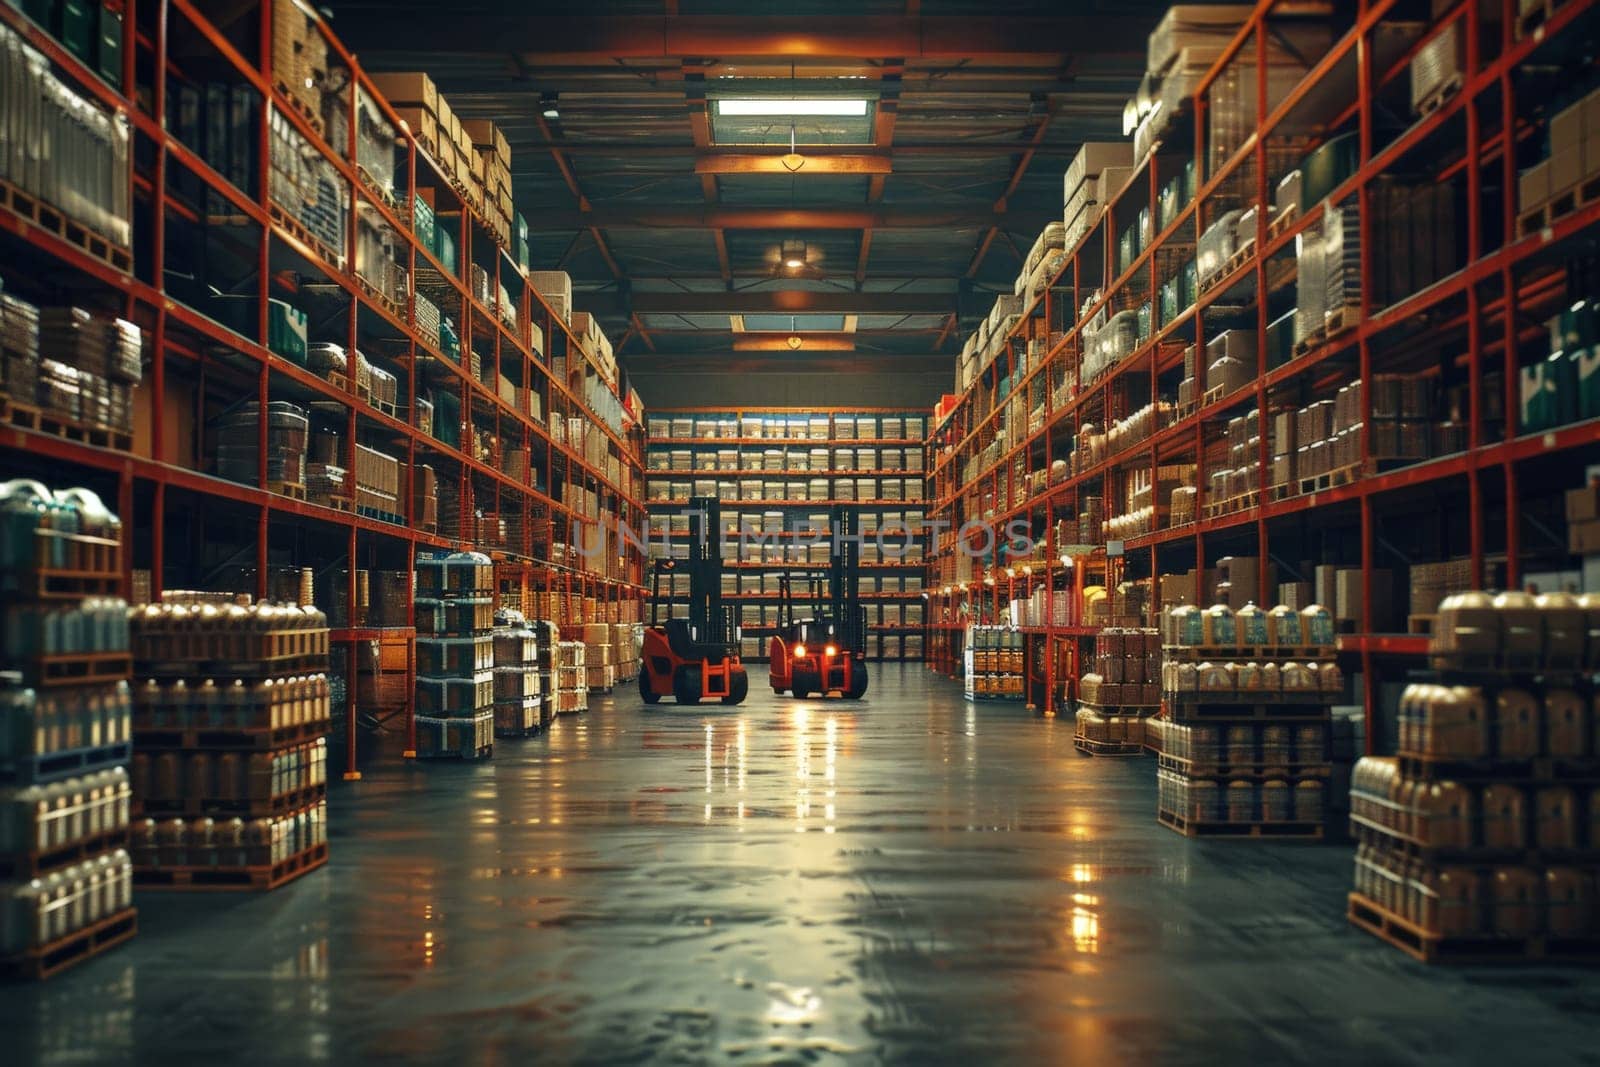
x=738, y=633
x=830, y=651
x=799, y=651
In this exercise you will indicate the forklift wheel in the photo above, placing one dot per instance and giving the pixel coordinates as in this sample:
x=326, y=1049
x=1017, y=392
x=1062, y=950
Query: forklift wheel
x=647, y=692
x=805, y=684
x=858, y=681
x=738, y=688
x=686, y=685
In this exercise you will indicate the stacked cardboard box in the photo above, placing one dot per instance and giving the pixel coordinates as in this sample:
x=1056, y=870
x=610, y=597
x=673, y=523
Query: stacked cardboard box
x=572, y=679
x=1583, y=519
x=494, y=152
x=454, y=611
x=599, y=664
x=299, y=54
x=517, y=694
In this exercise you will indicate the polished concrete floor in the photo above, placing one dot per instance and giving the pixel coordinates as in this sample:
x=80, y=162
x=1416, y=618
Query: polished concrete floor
x=910, y=880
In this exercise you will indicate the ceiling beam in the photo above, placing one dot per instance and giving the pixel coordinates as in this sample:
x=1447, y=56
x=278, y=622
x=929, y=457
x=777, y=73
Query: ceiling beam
x=1017, y=172
x=694, y=97
x=877, y=165
x=571, y=178
x=808, y=342
x=566, y=39
x=883, y=122
x=609, y=303
x=627, y=216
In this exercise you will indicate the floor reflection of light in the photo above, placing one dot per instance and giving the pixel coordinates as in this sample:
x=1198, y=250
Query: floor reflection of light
x=972, y=722
x=1080, y=873
x=427, y=947
x=741, y=762
x=792, y=1006
x=709, y=733
x=802, y=768
x=1085, y=930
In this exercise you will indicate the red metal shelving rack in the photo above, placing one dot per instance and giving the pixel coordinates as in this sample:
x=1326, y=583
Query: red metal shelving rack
x=181, y=336
x=1507, y=284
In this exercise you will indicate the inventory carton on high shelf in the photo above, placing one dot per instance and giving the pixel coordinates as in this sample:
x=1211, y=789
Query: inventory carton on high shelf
x=64, y=699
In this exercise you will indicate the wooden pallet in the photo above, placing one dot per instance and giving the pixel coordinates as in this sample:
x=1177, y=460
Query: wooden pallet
x=1242, y=502
x=1537, y=769
x=292, y=490
x=293, y=102
x=1321, y=483
x=33, y=211
x=1341, y=319
x=483, y=752
x=192, y=737
x=194, y=807
x=1310, y=342
x=1286, y=769
x=51, y=959
x=76, y=668
x=1421, y=624
x=1430, y=947
x=1282, y=221
x=380, y=298
x=297, y=230
x=26, y=866
x=1441, y=93
x=54, y=766
x=1247, y=709
x=31, y=417
x=1092, y=747
x=1214, y=653
x=232, y=879
x=1288, y=831
x=1559, y=206
x=370, y=183
x=335, y=501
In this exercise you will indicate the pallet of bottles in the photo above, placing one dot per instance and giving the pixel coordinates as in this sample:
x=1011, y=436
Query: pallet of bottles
x=1104, y=730
x=46, y=959
x=467, y=736
x=229, y=853
x=1480, y=840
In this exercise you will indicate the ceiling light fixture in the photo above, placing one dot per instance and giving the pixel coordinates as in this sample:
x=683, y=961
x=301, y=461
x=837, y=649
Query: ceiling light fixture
x=548, y=107
x=794, y=253
x=792, y=160
x=792, y=107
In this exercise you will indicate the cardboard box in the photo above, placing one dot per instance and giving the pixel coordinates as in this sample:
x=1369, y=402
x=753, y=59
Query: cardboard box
x=1566, y=168
x=422, y=124
x=1583, y=538
x=1583, y=503
x=1533, y=186
x=413, y=89
x=1348, y=599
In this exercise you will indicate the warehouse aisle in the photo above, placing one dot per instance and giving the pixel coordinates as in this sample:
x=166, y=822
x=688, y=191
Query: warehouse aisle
x=913, y=879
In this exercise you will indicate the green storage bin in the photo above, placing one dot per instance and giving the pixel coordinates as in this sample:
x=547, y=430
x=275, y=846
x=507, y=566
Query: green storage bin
x=1191, y=285
x=1142, y=233
x=521, y=233
x=1547, y=394
x=449, y=341
x=108, y=58
x=1186, y=177
x=1586, y=372
x=1126, y=247
x=444, y=249
x=1324, y=170
x=422, y=223
x=1169, y=203
x=446, y=417
x=78, y=28
x=286, y=331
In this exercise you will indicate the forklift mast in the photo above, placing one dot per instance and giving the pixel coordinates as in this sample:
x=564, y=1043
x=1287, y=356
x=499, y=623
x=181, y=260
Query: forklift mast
x=705, y=566
x=846, y=610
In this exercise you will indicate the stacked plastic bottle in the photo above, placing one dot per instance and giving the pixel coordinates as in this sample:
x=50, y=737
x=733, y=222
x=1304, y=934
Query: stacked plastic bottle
x=1245, y=746
x=1481, y=838
x=454, y=610
x=518, y=699
x=232, y=707
x=64, y=731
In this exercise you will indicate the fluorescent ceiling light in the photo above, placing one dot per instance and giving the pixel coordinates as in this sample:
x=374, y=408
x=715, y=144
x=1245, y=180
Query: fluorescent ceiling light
x=792, y=107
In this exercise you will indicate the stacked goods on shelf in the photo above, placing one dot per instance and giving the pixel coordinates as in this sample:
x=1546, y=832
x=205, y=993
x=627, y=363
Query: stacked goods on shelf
x=572, y=678
x=65, y=160
x=517, y=692
x=307, y=190
x=231, y=712
x=1245, y=750
x=454, y=612
x=1583, y=520
x=379, y=251
x=627, y=638
x=78, y=368
x=238, y=456
x=1119, y=691
x=993, y=663
x=1564, y=386
x=1480, y=840
x=600, y=667
x=1097, y=166
x=1565, y=179
x=65, y=888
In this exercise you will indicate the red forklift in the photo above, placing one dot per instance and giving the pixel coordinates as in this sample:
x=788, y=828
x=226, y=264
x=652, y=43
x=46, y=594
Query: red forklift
x=825, y=651
x=695, y=658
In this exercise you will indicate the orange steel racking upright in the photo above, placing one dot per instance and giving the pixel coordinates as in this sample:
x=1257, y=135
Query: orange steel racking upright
x=192, y=355
x=1472, y=324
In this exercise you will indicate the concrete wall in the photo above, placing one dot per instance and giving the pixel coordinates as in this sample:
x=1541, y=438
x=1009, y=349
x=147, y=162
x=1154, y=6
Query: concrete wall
x=916, y=384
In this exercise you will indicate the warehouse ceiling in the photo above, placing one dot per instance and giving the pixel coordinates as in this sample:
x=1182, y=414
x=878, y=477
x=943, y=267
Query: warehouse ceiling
x=698, y=231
